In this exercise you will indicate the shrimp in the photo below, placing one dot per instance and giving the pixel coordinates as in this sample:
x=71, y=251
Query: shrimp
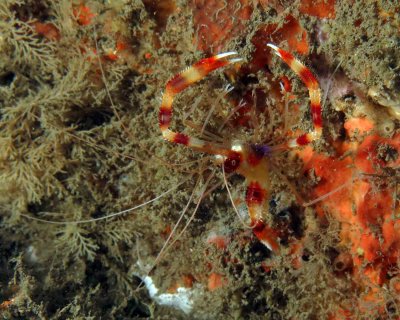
x=249, y=160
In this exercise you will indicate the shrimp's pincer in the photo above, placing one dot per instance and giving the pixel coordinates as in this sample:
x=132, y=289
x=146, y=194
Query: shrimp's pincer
x=249, y=160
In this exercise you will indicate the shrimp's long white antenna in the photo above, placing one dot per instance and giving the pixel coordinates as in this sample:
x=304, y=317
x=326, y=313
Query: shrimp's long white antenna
x=233, y=203
x=329, y=83
x=103, y=76
x=166, y=245
x=108, y=216
x=172, y=233
x=202, y=193
x=227, y=89
x=328, y=194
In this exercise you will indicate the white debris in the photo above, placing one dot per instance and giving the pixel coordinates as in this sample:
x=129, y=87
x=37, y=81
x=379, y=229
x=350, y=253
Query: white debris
x=179, y=300
x=31, y=254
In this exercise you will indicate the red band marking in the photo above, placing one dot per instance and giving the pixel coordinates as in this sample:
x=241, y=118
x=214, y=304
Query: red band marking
x=316, y=114
x=286, y=56
x=253, y=159
x=207, y=65
x=257, y=226
x=177, y=84
x=308, y=78
x=164, y=117
x=255, y=195
x=286, y=84
x=265, y=234
x=303, y=140
x=181, y=138
x=232, y=162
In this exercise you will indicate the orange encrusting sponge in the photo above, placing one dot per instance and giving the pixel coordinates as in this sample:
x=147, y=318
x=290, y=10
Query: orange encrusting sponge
x=364, y=205
x=318, y=8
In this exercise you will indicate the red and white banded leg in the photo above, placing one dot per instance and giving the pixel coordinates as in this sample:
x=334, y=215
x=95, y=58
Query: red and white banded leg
x=315, y=96
x=179, y=83
x=256, y=200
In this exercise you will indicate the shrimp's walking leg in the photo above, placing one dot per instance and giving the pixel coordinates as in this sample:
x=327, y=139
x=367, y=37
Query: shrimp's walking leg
x=256, y=200
x=315, y=96
x=258, y=182
x=179, y=83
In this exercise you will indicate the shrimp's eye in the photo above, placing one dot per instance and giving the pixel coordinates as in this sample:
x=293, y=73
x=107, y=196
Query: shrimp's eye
x=232, y=162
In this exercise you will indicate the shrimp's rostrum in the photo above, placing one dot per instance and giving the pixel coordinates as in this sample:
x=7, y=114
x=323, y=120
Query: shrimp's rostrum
x=249, y=160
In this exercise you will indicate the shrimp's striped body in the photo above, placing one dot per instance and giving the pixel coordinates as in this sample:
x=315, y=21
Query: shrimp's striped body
x=249, y=160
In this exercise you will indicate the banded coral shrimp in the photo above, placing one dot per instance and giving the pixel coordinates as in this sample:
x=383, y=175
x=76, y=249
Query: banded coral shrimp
x=233, y=183
x=105, y=174
x=65, y=236
x=248, y=160
x=264, y=232
x=231, y=157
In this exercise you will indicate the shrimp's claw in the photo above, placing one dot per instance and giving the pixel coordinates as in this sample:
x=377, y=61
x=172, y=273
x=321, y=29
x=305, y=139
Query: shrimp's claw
x=314, y=91
x=266, y=235
x=199, y=70
x=180, y=82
